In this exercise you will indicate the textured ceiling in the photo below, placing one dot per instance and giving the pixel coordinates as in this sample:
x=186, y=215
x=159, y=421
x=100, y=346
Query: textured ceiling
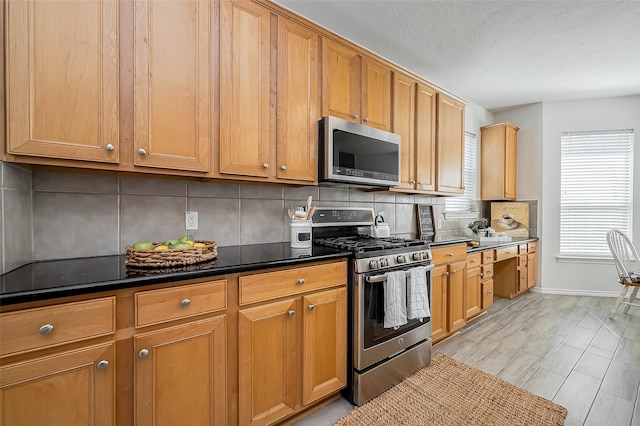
x=497, y=54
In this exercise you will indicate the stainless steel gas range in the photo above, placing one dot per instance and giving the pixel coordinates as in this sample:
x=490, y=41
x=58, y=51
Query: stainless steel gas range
x=379, y=357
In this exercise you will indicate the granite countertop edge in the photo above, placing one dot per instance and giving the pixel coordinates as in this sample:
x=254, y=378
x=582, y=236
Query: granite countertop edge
x=34, y=295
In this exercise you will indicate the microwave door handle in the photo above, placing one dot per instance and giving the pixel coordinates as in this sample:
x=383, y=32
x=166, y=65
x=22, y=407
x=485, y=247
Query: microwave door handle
x=383, y=277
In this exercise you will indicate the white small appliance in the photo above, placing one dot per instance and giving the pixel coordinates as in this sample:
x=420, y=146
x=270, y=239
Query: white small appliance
x=301, y=236
x=380, y=229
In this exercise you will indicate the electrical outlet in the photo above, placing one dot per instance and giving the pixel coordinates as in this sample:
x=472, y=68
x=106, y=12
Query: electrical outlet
x=191, y=220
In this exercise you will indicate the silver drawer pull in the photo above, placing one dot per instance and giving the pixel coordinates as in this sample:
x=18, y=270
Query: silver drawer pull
x=292, y=313
x=301, y=281
x=490, y=292
x=450, y=254
x=473, y=261
x=185, y=303
x=143, y=353
x=312, y=307
x=454, y=271
x=45, y=329
x=102, y=365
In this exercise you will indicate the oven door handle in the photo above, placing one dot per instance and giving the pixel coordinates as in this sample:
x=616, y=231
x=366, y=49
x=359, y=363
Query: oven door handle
x=383, y=277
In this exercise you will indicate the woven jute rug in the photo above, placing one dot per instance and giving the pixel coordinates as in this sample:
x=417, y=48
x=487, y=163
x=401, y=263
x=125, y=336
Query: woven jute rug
x=449, y=392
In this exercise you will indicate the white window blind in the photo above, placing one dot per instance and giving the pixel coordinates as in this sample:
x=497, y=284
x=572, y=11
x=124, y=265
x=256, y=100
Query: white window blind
x=465, y=201
x=596, y=176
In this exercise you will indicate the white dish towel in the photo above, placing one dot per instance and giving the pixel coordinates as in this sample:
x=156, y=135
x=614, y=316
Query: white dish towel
x=395, y=299
x=418, y=294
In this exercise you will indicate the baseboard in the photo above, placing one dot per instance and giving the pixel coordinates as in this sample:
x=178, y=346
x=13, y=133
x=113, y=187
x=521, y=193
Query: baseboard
x=571, y=292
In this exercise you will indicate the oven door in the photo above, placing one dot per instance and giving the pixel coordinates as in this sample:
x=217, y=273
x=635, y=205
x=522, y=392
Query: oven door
x=373, y=342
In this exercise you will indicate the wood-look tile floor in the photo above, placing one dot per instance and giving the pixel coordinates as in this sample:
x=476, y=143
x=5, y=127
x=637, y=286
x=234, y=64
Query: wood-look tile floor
x=563, y=348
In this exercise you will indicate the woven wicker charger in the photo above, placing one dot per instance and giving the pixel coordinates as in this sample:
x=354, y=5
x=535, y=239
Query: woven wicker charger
x=171, y=257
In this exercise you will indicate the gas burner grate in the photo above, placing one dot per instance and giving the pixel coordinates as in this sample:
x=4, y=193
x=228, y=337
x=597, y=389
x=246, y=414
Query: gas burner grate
x=359, y=244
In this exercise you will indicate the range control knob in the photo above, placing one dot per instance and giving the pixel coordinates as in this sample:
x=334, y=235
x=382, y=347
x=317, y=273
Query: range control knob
x=401, y=258
x=417, y=256
x=384, y=262
x=425, y=255
x=374, y=264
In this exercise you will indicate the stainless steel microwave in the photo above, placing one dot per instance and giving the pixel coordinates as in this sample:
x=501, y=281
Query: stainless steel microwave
x=358, y=154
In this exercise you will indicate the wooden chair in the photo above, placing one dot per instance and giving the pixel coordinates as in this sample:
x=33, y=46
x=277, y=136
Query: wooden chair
x=627, y=263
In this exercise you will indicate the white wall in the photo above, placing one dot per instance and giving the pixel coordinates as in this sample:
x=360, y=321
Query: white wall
x=539, y=178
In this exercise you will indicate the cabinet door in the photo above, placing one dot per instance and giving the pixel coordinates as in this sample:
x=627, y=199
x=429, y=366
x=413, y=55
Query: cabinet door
x=62, y=79
x=340, y=81
x=180, y=374
x=511, y=163
x=472, y=293
x=457, y=275
x=298, y=114
x=172, y=84
x=531, y=270
x=267, y=364
x=404, y=125
x=439, y=305
x=324, y=365
x=487, y=294
x=69, y=388
x=376, y=95
x=450, y=145
x=425, y=138
x=245, y=88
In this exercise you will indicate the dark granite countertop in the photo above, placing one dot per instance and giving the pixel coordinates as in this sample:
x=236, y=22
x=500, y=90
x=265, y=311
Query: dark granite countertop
x=493, y=245
x=68, y=277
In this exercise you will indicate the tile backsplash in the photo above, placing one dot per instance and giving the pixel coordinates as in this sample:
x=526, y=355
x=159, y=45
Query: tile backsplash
x=54, y=215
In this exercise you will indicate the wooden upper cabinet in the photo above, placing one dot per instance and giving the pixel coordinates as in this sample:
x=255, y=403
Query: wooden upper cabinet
x=355, y=88
x=172, y=105
x=404, y=124
x=376, y=95
x=298, y=103
x=62, y=80
x=425, y=138
x=499, y=162
x=245, y=89
x=450, y=145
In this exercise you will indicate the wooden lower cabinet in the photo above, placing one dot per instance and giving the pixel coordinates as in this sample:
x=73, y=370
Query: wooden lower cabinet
x=271, y=376
x=531, y=270
x=487, y=294
x=180, y=374
x=472, y=293
x=448, y=304
x=75, y=387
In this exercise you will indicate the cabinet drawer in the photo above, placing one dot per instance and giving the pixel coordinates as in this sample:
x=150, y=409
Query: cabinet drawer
x=506, y=253
x=168, y=304
x=487, y=271
x=487, y=294
x=473, y=260
x=448, y=254
x=488, y=256
x=522, y=261
x=531, y=247
x=271, y=285
x=522, y=248
x=40, y=328
x=522, y=280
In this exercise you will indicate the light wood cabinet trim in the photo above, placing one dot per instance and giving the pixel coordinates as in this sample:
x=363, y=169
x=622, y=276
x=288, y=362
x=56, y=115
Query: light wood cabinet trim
x=448, y=254
x=487, y=271
x=172, y=94
x=185, y=366
x=474, y=260
x=324, y=344
x=506, y=253
x=20, y=330
x=157, y=306
x=267, y=362
x=245, y=89
x=298, y=102
x=284, y=283
x=45, y=386
x=531, y=270
x=63, y=69
x=488, y=256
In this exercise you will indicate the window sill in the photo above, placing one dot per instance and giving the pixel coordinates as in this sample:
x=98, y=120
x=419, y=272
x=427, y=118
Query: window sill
x=461, y=215
x=584, y=258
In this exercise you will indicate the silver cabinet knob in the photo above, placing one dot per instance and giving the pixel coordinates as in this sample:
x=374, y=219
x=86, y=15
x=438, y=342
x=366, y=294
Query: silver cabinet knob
x=102, y=365
x=450, y=254
x=283, y=167
x=490, y=292
x=481, y=275
x=312, y=307
x=366, y=119
x=419, y=182
x=45, y=329
x=355, y=116
x=446, y=274
x=413, y=182
x=292, y=313
x=185, y=303
x=265, y=165
x=473, y=261
x=301, y=281
x=454, y=271
x=142, y=151
x=143, y=353
x=109, y=147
